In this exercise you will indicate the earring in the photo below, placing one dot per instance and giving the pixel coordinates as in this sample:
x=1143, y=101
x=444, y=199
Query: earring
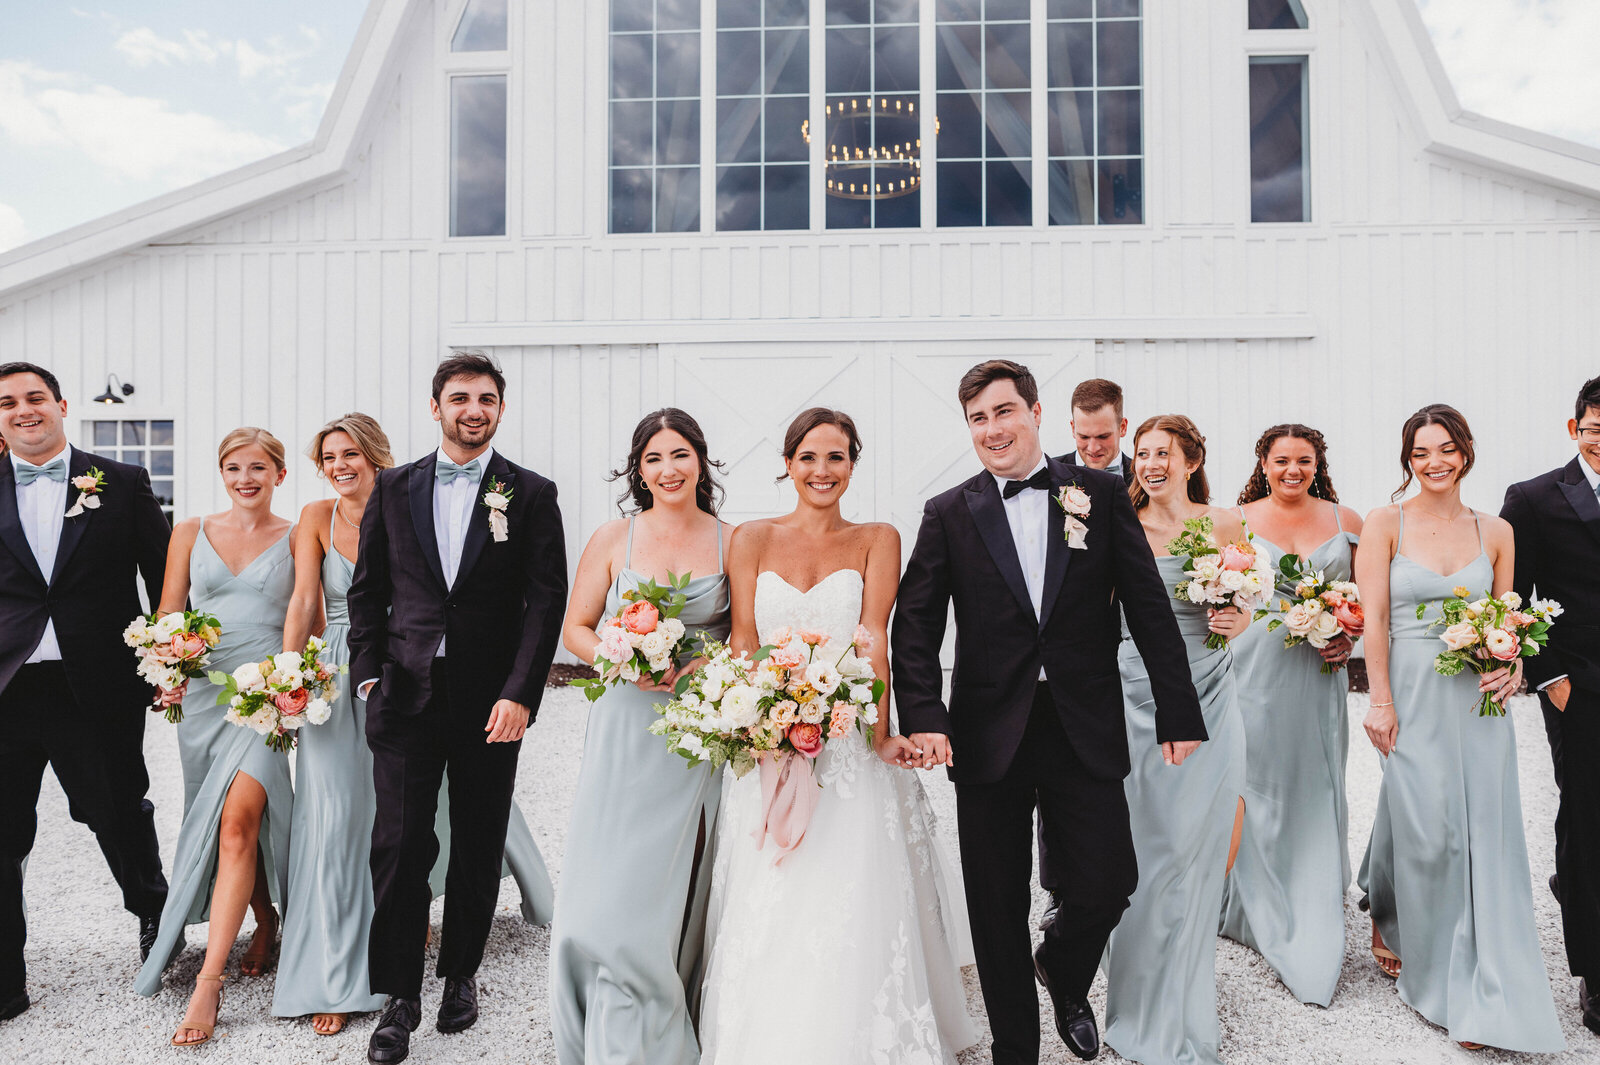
x=644, y=484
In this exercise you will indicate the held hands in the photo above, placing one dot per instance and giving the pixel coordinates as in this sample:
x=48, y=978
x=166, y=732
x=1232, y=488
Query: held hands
x=166, y=699
x=1504, y=682
x=930, y=749
x=1337, y=652
x=1173, y=752
x=898, y=751
x=507, y=722
x=1383, y=727
x=1227, y=622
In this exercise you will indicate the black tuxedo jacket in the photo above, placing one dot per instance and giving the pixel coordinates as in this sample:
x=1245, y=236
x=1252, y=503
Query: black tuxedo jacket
x=965, y=553
x=94, y=591
x=500, y=619
x=1071, y=459
x=1556, y=519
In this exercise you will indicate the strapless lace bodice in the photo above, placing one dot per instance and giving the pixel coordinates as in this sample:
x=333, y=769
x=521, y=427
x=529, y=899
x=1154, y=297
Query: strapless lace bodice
x=832, y=606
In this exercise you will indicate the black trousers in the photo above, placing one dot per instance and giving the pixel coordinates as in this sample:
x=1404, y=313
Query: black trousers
x=97, y=753
x=1576, y=730
x=1091, y=848
x=410, y=753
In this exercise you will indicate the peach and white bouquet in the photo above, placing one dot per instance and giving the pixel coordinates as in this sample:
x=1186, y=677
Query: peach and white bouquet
x=1490, y=632
x=172, y=648
x=1231, y=574
x=1320, y=610
x=643, y=638
x=278, y=696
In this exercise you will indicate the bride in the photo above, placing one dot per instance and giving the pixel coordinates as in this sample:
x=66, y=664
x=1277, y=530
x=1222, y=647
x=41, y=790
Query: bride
x=850, y=949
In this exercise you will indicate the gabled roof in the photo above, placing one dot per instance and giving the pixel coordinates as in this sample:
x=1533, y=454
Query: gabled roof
x=328, y=154
x=1396, y=26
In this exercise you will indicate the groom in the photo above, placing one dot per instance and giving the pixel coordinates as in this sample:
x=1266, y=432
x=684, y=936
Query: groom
x=69, y=695
x=455, y=609
x=1035, y=716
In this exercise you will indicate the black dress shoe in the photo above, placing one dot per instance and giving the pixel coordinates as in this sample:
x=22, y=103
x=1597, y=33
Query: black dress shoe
x=16, y=1007
x=1050, y=912
x=391, y=1039
x=149, y=928
x=458, y=1010
x=1074, y=1019
x=1591, y=1008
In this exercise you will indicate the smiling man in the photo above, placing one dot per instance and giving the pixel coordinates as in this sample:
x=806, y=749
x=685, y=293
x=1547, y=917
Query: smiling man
x=1098, y=428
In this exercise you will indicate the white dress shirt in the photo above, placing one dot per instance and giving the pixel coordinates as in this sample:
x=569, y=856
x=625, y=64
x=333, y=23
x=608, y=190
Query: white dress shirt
x=41, y=506
x=453, y=504
x=1028, y=514
x=1593, y=477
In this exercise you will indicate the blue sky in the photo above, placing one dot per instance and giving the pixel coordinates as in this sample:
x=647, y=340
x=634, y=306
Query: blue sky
x=106, y=104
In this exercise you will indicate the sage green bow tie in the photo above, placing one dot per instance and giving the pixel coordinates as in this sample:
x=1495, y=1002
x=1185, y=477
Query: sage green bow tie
x=448, y=471
x=55, y=470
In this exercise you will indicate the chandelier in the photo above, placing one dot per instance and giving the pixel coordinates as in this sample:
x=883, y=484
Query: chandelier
x=874, y=147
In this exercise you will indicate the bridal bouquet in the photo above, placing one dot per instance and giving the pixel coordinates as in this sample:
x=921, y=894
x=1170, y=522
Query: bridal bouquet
x=1491, y=632
x=277, y=696
x=1230, y=575
x=644, y=638
x=1320, y=611
x=171, y=648
x=777, y=708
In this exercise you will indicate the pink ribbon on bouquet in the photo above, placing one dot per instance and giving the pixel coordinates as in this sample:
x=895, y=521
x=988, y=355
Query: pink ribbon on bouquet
x=788, y=797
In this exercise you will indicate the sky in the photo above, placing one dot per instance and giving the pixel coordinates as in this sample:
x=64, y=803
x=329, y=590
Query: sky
x=106, y=104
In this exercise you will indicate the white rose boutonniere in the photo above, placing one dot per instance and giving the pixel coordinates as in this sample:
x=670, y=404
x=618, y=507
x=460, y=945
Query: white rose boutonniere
x=89, y=484
x=1075, y=502
x=497, y=499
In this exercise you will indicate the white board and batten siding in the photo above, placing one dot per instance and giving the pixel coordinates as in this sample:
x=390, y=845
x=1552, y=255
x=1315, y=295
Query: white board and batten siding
x=1424, y=276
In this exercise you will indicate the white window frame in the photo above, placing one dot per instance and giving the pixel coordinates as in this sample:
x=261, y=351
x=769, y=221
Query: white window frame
x=451, y=65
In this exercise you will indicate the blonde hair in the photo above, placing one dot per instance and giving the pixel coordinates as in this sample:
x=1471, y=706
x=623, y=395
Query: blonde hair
x=247, y=435
x=364, y=430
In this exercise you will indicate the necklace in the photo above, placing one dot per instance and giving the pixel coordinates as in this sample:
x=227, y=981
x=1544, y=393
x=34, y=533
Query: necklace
x=344, y=519
x=1436, y=517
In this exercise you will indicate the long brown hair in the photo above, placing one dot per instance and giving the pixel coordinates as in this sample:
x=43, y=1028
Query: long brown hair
x=1193, y=446
x=1451, y=421
x=707, y=491
x=1321, y=484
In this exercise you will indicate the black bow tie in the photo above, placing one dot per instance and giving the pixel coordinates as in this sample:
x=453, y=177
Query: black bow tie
x=1040, y=480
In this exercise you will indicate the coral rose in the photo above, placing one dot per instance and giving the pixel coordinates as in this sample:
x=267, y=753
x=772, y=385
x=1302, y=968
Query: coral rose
x=1351, y=617
x=640, y=617
x=187, y=645
x=806, y=738
x=292, y=703
x=812, y=636
x=787, y=659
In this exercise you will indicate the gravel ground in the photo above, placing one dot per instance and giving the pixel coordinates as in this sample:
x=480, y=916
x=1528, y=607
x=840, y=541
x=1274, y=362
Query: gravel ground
x=82, y=954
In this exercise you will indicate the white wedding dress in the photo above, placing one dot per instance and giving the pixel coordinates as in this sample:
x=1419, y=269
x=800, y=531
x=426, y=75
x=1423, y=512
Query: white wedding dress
x=849, y=952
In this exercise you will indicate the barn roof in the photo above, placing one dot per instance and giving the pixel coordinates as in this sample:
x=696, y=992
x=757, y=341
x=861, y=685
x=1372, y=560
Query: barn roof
x=1394, y=26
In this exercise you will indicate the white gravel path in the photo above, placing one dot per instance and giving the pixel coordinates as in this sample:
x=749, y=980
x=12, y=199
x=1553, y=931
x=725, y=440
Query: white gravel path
x=82, y=954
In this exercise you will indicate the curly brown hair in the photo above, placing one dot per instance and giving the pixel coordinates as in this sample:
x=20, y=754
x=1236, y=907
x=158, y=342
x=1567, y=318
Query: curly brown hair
x=1190, y=442
x=1321, y=484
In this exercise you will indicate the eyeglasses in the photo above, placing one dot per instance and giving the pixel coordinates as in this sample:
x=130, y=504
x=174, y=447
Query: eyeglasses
x=1590, y=433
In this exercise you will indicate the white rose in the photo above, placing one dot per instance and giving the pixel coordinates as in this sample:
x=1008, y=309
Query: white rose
x=690, y=701
x=137, y=633
x=261, y=722
x=286, y=662
x=711, y=687
x=869, y=713
x=785, y=712
x=628, y=671
x=672, y=627
x=655, y=644
x=1232, y=580
x=1206, y=568
x=248, y=676
x=861, y=693
x=660, y=663
x=168, y=626
x=1324, y=629
x=741, y=705
x=689, y=743
x=495, y=501
x=1075, y=500
x=317, y=711
x=813, y=711
x=1512, y=600
x=823, y=677
x=1195, y=591
x=635, y=639
x=1346, y=589
x=291, y=722
x=853, y=668
x=287, y=680
x=1302, y=617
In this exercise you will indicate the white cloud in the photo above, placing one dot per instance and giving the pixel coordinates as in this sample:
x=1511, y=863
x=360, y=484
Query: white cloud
x=137, y=137
x=144, y=46
x=1530, y=62
x=13, y=231
x=277, y=57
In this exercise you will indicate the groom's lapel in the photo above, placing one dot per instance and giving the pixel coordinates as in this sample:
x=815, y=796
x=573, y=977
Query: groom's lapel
x=1575, y=486
x=1057, y=555
x=989, y=515
x=478, y=522
x=11, y=531
x=72, y=529
x=419, y=487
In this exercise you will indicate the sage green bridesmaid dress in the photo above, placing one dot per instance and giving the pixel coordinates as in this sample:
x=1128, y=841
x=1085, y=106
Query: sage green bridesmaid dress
x=250, y=606
x=1446, y=871
x=626, y=946
x=1285, y=896
x=1160, y=965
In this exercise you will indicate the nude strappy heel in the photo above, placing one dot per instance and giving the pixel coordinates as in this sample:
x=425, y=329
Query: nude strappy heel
x=186, y=1025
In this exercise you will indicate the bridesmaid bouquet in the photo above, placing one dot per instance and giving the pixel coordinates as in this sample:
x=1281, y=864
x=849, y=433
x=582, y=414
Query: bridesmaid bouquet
x=777, y=708
x=1320, y=611
x=644, y=638
x=1491, y=632
x=172, y=648
x=277, y=696
x=1230, y=575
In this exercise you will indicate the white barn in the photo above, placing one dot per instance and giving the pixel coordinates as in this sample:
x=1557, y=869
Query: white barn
x=1244, y=224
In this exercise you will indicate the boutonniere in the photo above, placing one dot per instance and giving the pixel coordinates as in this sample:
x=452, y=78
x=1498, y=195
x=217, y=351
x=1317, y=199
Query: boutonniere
x=89, y=484
x=497, y=498
x=1075, y=502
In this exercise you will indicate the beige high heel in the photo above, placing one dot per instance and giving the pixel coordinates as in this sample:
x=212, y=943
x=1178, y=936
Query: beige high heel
x=206, y=1030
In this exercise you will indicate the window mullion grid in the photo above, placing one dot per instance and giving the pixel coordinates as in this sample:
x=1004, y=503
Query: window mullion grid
x=1038, y=109
x=707, y=155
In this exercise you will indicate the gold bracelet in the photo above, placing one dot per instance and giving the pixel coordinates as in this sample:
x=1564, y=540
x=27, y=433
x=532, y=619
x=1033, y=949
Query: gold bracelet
x=1389, y=703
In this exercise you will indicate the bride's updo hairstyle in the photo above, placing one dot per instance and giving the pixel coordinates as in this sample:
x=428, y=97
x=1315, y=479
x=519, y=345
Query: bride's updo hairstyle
x=808, y=420
x=707, y=490
x=1321, y=484
x=1451, y=421
x=246, y=436
x=1187, y=436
